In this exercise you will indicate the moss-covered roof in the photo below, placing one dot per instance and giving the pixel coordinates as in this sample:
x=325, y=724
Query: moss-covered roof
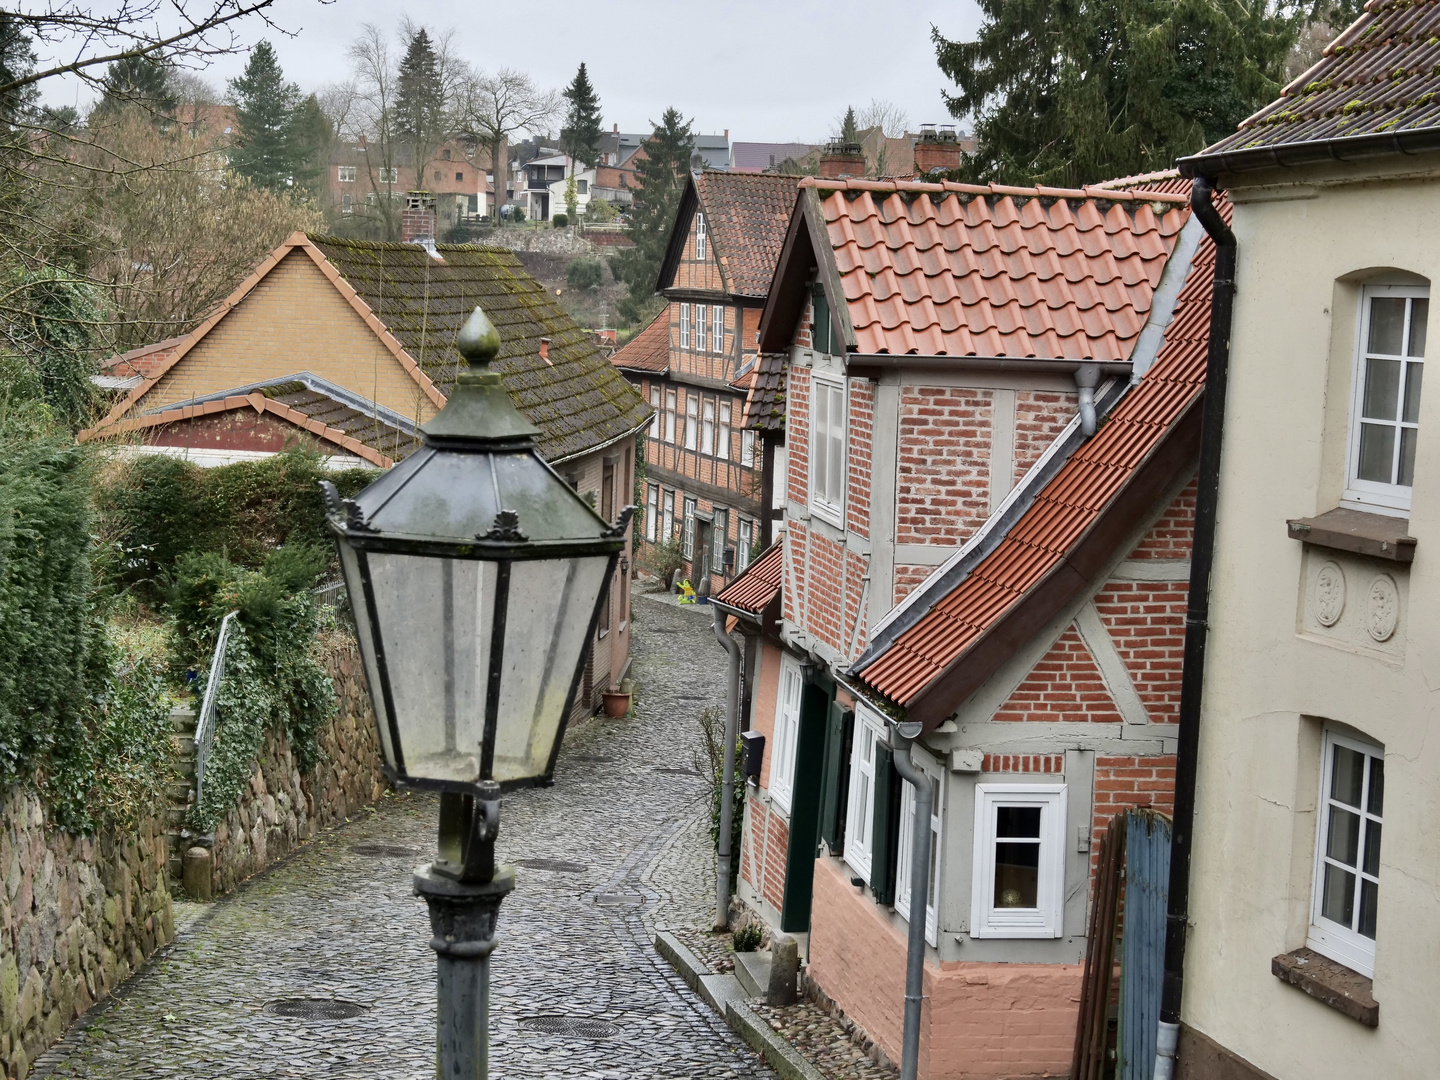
x=578, y=401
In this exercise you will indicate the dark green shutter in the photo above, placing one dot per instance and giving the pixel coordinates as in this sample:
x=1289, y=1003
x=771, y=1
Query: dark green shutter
x=835, y=784
x=805, y=799
x=885, y=833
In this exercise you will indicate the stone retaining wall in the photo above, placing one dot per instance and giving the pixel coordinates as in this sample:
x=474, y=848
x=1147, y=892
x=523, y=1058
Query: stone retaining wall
x=281, y=808
x=78, y=915
x=525, y=238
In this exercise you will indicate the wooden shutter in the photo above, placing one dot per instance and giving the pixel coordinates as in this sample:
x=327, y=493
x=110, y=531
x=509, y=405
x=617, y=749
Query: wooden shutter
x=885, y=834
x=835, y=783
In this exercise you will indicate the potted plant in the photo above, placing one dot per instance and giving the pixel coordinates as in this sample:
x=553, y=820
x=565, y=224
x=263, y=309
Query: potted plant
x=617, y=701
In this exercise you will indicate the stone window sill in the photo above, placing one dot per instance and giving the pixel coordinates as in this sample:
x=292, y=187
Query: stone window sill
x=1343, y=529
x=1326, y=981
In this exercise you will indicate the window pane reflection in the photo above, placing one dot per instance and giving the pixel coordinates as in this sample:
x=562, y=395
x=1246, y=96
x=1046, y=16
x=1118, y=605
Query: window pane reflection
x=1017, y=874
x=1387, y=324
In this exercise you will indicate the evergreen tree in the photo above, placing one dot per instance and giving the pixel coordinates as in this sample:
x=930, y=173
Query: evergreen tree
x=312, y=135
x=1080, y=91
x=143, y=81
x=580, y=137
x=17, y=59
x=420, y=100
x=849, y=130
x=659, y=179
x=266, y=151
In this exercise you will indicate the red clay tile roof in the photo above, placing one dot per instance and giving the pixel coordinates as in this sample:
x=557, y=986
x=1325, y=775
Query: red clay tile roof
x=747, y=215
x=958, y=270
x=143, y=361
x=1066, y=509
x=649, y=350
x=765, y=404
x=755, y=589
x=1377, y=78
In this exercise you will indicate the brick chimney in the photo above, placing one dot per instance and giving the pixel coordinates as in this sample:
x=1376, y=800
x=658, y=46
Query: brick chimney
x=417, y=220
x=937, y=149
x=840, y=160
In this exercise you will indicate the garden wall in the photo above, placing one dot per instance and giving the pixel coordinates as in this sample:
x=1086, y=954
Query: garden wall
x=78, y=915
x=281, y=809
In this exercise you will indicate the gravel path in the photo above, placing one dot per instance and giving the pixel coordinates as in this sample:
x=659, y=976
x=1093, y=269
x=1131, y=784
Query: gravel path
x=338, y=921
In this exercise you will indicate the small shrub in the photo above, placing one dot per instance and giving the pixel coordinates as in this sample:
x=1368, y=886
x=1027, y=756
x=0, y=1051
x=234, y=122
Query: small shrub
x=664, y=558
x=601, y=211
x=560, y=221
x=708, y=759
x=585, y=274
x=748, y=937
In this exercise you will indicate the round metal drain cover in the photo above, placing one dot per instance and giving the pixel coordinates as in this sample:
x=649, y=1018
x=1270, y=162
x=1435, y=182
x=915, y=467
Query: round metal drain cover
x=314, y=1009
x=560, y=866
x=384, y=851
x=571, y=1027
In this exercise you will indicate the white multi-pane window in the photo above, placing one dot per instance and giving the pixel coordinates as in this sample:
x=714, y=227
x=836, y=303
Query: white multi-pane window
x=668, y=523
x=745, y=538
x=906, y=846
x=346, y=205
x=707, y=428
x=670, y=416
x=722, y=441
x=787, y=731
x=1347, y=852
x=1385, y=414
x=860, y=811
x=655, y=420
x=390, y=176
x=345, y=174
x=700, y=237
x=1018, y=888
x=747, y=449
x=719, y=535
x=652, y=511
x=717, y=328
x=827, y=449
x=692, y=421
x=701, y=327
x=684, y=326
x=687, y=530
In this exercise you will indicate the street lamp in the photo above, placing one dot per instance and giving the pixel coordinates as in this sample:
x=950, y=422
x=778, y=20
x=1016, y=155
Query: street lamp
x=476, y=575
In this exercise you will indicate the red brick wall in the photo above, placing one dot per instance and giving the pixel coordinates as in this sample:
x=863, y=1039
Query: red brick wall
x=907, y=578
x=826, y=593
x=1170, y=536
x=858, y=454
x=692, y=273
x=1065, y=685
x=1023, y=763
x=1146, y=621
x=762, y=859
x=797, y=432
x=1123, y=782
x=943, y=485
x=1040, y=416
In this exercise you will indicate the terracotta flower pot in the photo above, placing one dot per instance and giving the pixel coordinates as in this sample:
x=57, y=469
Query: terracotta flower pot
x=617, y=704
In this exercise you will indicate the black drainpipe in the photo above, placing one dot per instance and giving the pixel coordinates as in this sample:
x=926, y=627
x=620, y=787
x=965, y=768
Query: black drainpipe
x=1197, y=616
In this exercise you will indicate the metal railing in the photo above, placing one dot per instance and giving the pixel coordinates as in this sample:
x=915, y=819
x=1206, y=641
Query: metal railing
x=205, y=723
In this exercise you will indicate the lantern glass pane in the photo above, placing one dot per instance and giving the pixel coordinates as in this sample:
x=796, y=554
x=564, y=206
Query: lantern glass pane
x=350, y=569
x=435, y=617
x=547, y=623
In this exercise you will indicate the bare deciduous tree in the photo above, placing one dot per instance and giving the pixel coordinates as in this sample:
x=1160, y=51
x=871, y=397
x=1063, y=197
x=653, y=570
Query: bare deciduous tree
x=493, y=107
x=886, y=115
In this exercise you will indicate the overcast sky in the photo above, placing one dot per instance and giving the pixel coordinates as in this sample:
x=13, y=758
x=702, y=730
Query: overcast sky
x=768, y=70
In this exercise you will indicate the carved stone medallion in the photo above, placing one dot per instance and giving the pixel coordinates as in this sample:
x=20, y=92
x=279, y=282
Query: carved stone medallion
x=1329, y=594
x=1384, y=610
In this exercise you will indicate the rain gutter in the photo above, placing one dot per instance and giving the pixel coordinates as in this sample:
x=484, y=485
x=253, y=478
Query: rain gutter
x=1312, y=152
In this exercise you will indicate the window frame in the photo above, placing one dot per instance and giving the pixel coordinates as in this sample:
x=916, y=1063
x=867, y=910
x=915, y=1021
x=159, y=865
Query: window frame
x=700, y=237
x=722, y=430
x=747, y=448
x=670, y=411
x=936, y=773
x=390, y=175
x=719, y=535
x=860, y=804
x=687, y=528
x=668, y=522
x=1341, y=943
x=786, y=732
x=656, y=420
x=652, y=511
x=702, y=328
x=692, y=421
x=345, y=174
x=820, y=442
x=1047, y=919
x=707, y=426
x=1372, y=494
x=717, y=328
x=684, y=326
x=744, y=538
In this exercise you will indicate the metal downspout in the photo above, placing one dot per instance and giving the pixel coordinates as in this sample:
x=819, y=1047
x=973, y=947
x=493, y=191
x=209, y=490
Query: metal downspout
x=727, y=777
x=902, y=740
x=1197, y=617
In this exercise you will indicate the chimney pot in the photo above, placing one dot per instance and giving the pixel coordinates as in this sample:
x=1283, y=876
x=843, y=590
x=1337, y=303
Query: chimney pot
x=615, y=130
x=545, y=350
x=417, y=219
x=727, y=134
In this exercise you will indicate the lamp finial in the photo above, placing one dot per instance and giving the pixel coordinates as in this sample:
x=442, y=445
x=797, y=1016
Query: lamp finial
x=478, y=340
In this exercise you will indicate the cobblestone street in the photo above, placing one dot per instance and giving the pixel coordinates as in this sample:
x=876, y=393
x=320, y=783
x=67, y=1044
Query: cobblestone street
x=625, y=831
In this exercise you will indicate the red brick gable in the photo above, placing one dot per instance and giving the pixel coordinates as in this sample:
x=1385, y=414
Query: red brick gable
x=1146, y=623
x=1066, y=685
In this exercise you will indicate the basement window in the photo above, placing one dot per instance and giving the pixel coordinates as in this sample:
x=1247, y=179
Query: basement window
x=1019, y=873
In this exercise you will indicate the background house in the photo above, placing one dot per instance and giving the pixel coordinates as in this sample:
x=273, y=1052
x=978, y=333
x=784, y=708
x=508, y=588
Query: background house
x=1312, y=944
x=963, y=545
x=348, y=346
x=459, y=175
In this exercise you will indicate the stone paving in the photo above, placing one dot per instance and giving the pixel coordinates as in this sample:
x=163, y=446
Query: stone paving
x=337, y=921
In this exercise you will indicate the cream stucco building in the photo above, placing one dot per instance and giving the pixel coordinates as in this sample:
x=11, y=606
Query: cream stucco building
x=1313, y=947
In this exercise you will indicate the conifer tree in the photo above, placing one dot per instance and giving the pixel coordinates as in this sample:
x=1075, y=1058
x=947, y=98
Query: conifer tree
x=420, y=100
x=267, y=152
x=659, y=179
x=580, y=137
x=312, y=135
x=849, y=130
x=143, y=81
x=1080, y=91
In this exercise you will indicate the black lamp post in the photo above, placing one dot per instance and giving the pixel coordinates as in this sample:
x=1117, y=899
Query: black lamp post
x=476, y=575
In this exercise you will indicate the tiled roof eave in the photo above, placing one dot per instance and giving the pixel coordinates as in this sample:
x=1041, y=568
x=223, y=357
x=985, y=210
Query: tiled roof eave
x=1343, y=148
